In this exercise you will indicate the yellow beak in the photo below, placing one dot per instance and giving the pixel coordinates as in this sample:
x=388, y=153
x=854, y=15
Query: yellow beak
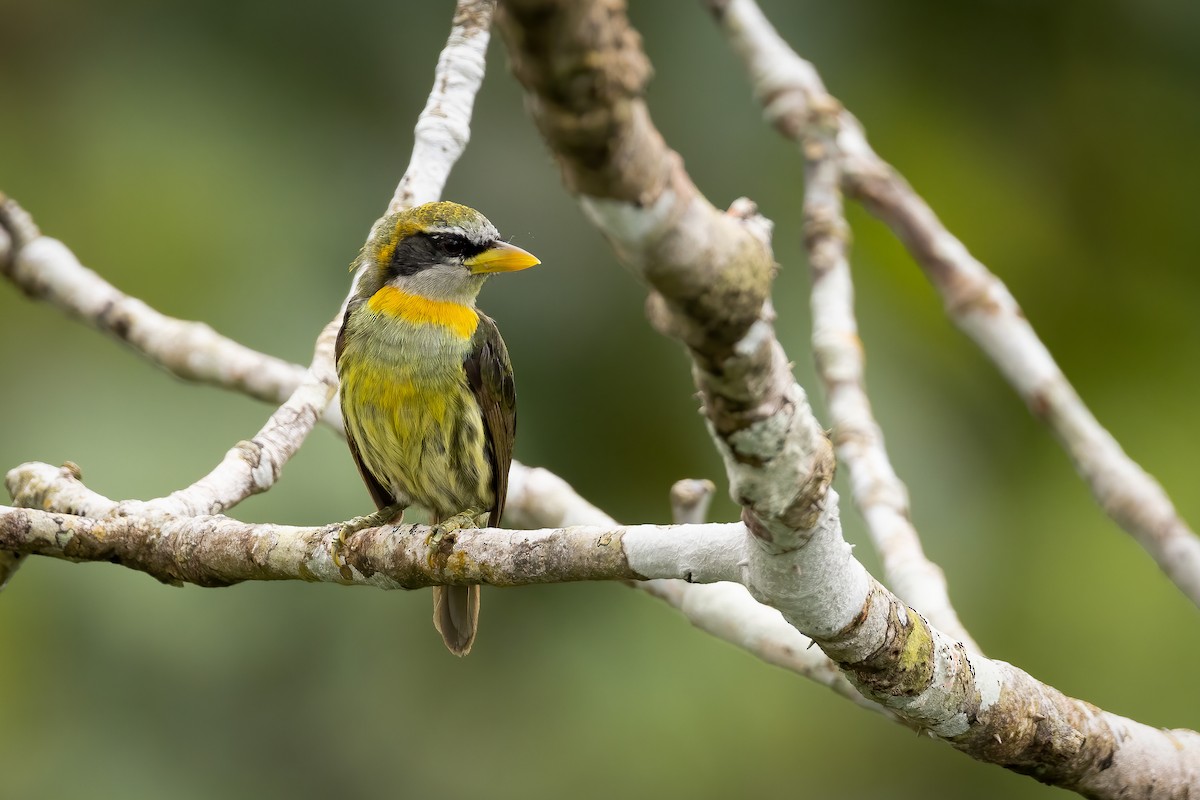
x=501, y=257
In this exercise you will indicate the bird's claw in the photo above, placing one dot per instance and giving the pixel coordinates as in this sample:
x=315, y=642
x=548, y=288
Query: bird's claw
x=335, y=551
x=392, y=513
x=466, y=519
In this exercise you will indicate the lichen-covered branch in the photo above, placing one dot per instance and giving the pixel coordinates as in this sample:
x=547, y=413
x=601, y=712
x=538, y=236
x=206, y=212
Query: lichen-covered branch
x=978, y=302
x=583, y=72
x=876, y=489
x=220, y=551
x=981, y=706
x=727, y=611
x=539, y=498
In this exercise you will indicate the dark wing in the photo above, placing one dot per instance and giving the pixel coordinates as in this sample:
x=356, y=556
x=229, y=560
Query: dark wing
x=490, y=376
x=379, y=494
x=382, y=497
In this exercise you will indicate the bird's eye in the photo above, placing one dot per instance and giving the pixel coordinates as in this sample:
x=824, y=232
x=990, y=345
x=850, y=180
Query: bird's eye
x=451, y=244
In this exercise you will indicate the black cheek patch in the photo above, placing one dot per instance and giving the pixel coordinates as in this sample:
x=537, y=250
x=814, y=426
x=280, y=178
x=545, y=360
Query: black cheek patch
x=412, y=255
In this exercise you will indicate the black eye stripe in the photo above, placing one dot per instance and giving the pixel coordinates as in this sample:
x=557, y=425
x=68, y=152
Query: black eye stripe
x=422, y=250
x=455, y=245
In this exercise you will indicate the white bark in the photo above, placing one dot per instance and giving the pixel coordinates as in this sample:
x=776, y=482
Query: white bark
x=795, y=100
x=708, y=282
x=877, y=490
x=973, y=702
x=444, y=126
x=538, y=497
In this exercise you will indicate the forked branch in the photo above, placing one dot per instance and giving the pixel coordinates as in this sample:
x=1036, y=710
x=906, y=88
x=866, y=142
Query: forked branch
x=794, y=100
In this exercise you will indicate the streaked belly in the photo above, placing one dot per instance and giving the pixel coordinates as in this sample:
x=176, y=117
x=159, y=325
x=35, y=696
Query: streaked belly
x=423, y=440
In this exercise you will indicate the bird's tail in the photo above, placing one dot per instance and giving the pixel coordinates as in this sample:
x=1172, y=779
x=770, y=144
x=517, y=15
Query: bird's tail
x=456, y=616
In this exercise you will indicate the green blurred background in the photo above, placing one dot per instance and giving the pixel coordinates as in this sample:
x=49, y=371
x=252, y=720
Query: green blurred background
x=224, y=160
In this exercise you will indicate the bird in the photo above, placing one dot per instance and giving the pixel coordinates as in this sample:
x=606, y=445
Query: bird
x=427, y=392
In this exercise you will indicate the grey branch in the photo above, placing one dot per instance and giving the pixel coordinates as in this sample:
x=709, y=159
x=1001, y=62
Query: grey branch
x=444, y=125
x=538, y=497
x=220, y=551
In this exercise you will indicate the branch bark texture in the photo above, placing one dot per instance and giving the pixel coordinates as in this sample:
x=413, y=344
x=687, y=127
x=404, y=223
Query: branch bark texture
x=444, y=126
x=795, y=101
x=876, y=488
x=583, y=72
x=1010, y=717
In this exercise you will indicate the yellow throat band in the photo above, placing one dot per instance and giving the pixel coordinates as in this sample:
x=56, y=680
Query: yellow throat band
x=413, y=308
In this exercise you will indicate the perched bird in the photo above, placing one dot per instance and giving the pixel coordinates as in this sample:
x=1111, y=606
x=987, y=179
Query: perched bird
x=427, y=387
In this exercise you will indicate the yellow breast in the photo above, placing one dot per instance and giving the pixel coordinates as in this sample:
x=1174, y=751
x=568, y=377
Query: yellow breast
x=461, y=320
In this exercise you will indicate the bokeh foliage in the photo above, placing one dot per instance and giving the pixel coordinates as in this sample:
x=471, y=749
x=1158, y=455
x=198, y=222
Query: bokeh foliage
x=224, y=160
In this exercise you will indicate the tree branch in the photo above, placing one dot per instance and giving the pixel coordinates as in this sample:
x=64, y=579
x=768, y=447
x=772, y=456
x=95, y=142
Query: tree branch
x=876, y=489
x=711, y=272
x=220, y=551
x=45, y=269
x=792, y=92
x=1031, y=727
x=537, y=497
x=583, y=72
x=253, y=466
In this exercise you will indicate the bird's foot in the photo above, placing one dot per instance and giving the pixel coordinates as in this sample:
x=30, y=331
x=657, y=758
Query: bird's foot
x=463, y=520
x=392, y=513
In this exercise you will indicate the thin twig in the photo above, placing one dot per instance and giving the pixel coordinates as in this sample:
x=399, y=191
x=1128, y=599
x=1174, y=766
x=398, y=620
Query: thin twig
x=876, y=489
x=690, y=499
